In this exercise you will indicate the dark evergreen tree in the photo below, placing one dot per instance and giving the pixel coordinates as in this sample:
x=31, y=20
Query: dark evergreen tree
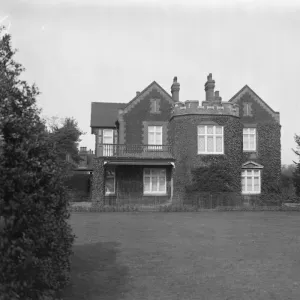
x=35, y=238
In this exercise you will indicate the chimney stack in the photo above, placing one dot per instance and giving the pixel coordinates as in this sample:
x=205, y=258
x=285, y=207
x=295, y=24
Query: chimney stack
x=209, y=88
x=175, y=88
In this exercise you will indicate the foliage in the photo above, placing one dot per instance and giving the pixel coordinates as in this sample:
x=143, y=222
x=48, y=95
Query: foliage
x=214, y=177
x=296, y=174
x=36, y=239
x=66, y=136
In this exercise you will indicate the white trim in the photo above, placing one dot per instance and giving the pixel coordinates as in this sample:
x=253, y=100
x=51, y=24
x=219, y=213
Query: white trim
x=214, y=135
x=245, y=174
x=153, y=193
x=257, y=165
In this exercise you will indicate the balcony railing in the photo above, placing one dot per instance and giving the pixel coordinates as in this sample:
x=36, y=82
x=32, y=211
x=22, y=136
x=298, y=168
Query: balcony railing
x=134, y=151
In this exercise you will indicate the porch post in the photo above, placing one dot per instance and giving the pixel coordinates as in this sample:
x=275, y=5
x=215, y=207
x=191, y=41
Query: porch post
x=98, y=181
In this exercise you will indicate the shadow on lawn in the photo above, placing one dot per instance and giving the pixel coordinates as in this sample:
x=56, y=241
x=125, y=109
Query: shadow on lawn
x=95, y=273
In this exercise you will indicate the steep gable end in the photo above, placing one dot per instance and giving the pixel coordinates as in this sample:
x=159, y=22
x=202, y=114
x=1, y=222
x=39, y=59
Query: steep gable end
x=247, y=90
x=153, y=86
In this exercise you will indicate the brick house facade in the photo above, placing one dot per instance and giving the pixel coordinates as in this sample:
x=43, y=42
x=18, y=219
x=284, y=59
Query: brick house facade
x=147, y=148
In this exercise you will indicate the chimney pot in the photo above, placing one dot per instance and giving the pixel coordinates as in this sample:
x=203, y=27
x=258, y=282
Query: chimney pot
x=175, y=88
x=209, y=88
x=137, y=93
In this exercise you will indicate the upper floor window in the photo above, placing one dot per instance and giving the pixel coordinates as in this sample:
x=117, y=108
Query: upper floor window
x=108, y=140
x=249, y=139
x=155, y=137
x=210, y=139
x=155, y=106
x=251, y=182
x=247, y=109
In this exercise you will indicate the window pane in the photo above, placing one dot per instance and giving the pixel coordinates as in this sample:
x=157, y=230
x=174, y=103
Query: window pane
x=147, y=171
x=201, y=130
x=109, y=185
x=162, y=172
x=151, y=128
x=246, y=130
x=158, y=139
x=210, y=144
x=243, y=173
x=245, y=142
x=249, y=172
x=256, y=172
x=219, y=145
x=249, y=184
x=219, y=130
x=256, y=184
x=251, y=142
x=210, y=129
x=110, y=173
x=154, y=184
x=201, y=144
x=162, y=184
x=252, y=130
x=147, y=184
x=151, y=137
x=159, y=129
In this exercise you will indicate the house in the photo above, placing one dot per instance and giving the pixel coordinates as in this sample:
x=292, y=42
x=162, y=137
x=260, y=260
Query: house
x=146, y=149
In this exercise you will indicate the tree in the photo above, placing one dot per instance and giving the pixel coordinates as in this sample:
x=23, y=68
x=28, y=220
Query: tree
x=65, y=133
x=296, y=174
x=35, y=239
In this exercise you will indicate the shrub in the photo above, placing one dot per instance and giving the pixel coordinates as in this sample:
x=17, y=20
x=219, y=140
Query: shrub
x=214, y=177
x=36, y=239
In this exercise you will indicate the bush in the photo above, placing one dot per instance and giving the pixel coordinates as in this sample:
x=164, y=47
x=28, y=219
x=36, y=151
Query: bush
x=36, y=239
x=214, y=177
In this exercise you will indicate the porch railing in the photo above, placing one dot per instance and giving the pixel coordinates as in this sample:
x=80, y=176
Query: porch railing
x=134, y=151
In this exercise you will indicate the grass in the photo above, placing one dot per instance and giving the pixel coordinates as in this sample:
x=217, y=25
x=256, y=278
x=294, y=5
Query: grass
x=209, y=255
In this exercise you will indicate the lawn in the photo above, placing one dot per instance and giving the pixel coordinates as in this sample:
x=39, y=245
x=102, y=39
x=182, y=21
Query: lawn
x=207, y=255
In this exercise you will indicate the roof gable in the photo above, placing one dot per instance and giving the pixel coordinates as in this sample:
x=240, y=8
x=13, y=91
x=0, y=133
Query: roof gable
x=144, y=93
x=252, y=165
x=246, y=89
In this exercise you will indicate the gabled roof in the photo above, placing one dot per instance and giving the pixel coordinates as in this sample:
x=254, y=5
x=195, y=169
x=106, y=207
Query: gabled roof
x=252, y=165
x=246, y=89
x=145, y=92
x=105, y=114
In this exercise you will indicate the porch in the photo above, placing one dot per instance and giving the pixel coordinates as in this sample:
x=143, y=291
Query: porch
x=133, y=181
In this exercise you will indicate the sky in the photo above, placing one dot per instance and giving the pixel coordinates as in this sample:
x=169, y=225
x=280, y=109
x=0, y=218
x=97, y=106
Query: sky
x=84, y=51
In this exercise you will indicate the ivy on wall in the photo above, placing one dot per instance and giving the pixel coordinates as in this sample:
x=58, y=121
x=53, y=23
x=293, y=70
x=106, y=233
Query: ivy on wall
x=185, y=151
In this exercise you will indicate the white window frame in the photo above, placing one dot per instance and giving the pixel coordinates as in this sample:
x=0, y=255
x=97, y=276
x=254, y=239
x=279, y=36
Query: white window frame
x=108, y=150
x=156, y=130
x=246, y=135
x=151, y=175
x=206, y=135
x=245, y=174
x=109, y=177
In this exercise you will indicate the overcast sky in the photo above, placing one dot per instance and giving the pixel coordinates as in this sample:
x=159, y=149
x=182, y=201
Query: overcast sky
x=91, y=50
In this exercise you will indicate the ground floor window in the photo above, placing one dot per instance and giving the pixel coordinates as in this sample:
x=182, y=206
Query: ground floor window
x=155, y=181
x=251, y=182
x=110, y=181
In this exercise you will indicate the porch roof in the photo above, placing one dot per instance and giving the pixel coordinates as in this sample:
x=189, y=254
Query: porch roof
x=140, y=163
